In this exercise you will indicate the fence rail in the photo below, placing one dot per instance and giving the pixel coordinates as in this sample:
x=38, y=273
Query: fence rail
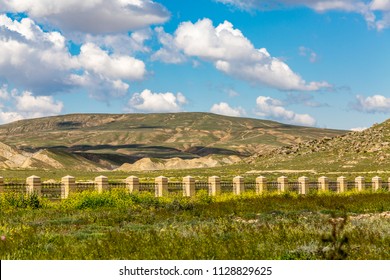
x=147, y=187
x=189, y=186
x=15, y=187
x=51, y=190
x=202, y=186
x=333, y=186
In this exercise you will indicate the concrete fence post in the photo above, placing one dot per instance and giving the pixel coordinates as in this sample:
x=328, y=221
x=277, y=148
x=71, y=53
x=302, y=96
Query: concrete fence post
x=341, y=184
x=68, y=184
x=188, y=186
x=238, y=185
x=282, y=184
x=303, y=185
x=359, y=183
x=132, y=184
x=323, y=184
x=376, y=183
x=101, y=184
x=261, y=184
x=214, y=185
x=161, y=188
x=2, y=185
x=34, y=185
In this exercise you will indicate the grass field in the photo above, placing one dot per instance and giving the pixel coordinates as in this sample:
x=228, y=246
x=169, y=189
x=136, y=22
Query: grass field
x=117, y=225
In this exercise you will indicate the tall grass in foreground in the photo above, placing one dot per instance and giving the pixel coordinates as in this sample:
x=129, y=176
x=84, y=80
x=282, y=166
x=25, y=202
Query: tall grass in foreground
x=118, y=225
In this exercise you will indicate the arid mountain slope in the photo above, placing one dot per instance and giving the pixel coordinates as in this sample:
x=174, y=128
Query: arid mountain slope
x=368, y=150
x=110, y=141
x=12, y=158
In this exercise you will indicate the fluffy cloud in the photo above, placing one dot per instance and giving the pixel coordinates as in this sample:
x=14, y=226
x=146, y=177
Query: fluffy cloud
x=384, y=7
x=232, y=53
x=17, y=106
x=272, y=108
x=224, y=109
x=170, y=53
x=372, y=104
x=92, y=58
x=119, y=43
x=148, y=101
x=7, y=117
x=363, y=7
x=91, y=16
x=25, y=47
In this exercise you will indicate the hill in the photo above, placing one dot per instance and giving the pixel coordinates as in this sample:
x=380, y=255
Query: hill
x=12, y=158
x=111, y=140
x=368, y=150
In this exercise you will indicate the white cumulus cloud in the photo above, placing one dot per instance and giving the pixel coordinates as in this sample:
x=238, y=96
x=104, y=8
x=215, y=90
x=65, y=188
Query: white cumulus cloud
x=40, y=61
x=119, y=43
x=223, y=108
x=372, y=104
x=232, y=53
x=273, y=108
x=93, y=58
x=32, y=58
x=170, y=53
x=148, y=101
x=17, y=106
x=91, y=16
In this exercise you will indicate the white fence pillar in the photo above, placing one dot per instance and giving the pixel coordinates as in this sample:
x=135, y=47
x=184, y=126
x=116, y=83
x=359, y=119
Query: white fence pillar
x=188, y=186
x=376, y=183
x=34, y=185
x=161, y=186
x=341, y=184
x=214, y=185
x=68, y=184
x=283, y=184
x=303, y=185
x=261, y=184
x=132, y=184
x=238, y=185
x=359, y=183
x=101, y=184
x=323, y=184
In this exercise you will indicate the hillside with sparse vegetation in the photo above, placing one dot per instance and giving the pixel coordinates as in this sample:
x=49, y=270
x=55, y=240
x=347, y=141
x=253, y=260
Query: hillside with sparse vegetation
x=367, y=150
x=106, y=141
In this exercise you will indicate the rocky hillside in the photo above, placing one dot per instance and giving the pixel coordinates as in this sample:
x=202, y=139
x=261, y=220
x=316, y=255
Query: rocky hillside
x=12, y=158
x=147, y=164
x=365, y=150
x=110, y=140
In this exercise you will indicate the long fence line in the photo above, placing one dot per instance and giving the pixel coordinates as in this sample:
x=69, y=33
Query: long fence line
x=188, y=186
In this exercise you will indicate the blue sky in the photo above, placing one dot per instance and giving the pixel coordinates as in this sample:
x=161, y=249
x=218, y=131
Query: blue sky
x=321, y=63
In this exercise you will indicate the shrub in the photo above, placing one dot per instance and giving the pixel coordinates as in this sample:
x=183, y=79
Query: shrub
x=15, y=200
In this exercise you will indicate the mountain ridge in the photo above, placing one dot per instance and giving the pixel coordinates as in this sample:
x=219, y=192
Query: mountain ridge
x=111, y=140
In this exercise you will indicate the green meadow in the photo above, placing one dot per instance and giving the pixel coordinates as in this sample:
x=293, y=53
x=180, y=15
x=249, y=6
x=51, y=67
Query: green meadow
x=117, y=225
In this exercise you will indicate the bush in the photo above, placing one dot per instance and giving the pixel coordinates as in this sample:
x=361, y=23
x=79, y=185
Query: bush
x=15, y=200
